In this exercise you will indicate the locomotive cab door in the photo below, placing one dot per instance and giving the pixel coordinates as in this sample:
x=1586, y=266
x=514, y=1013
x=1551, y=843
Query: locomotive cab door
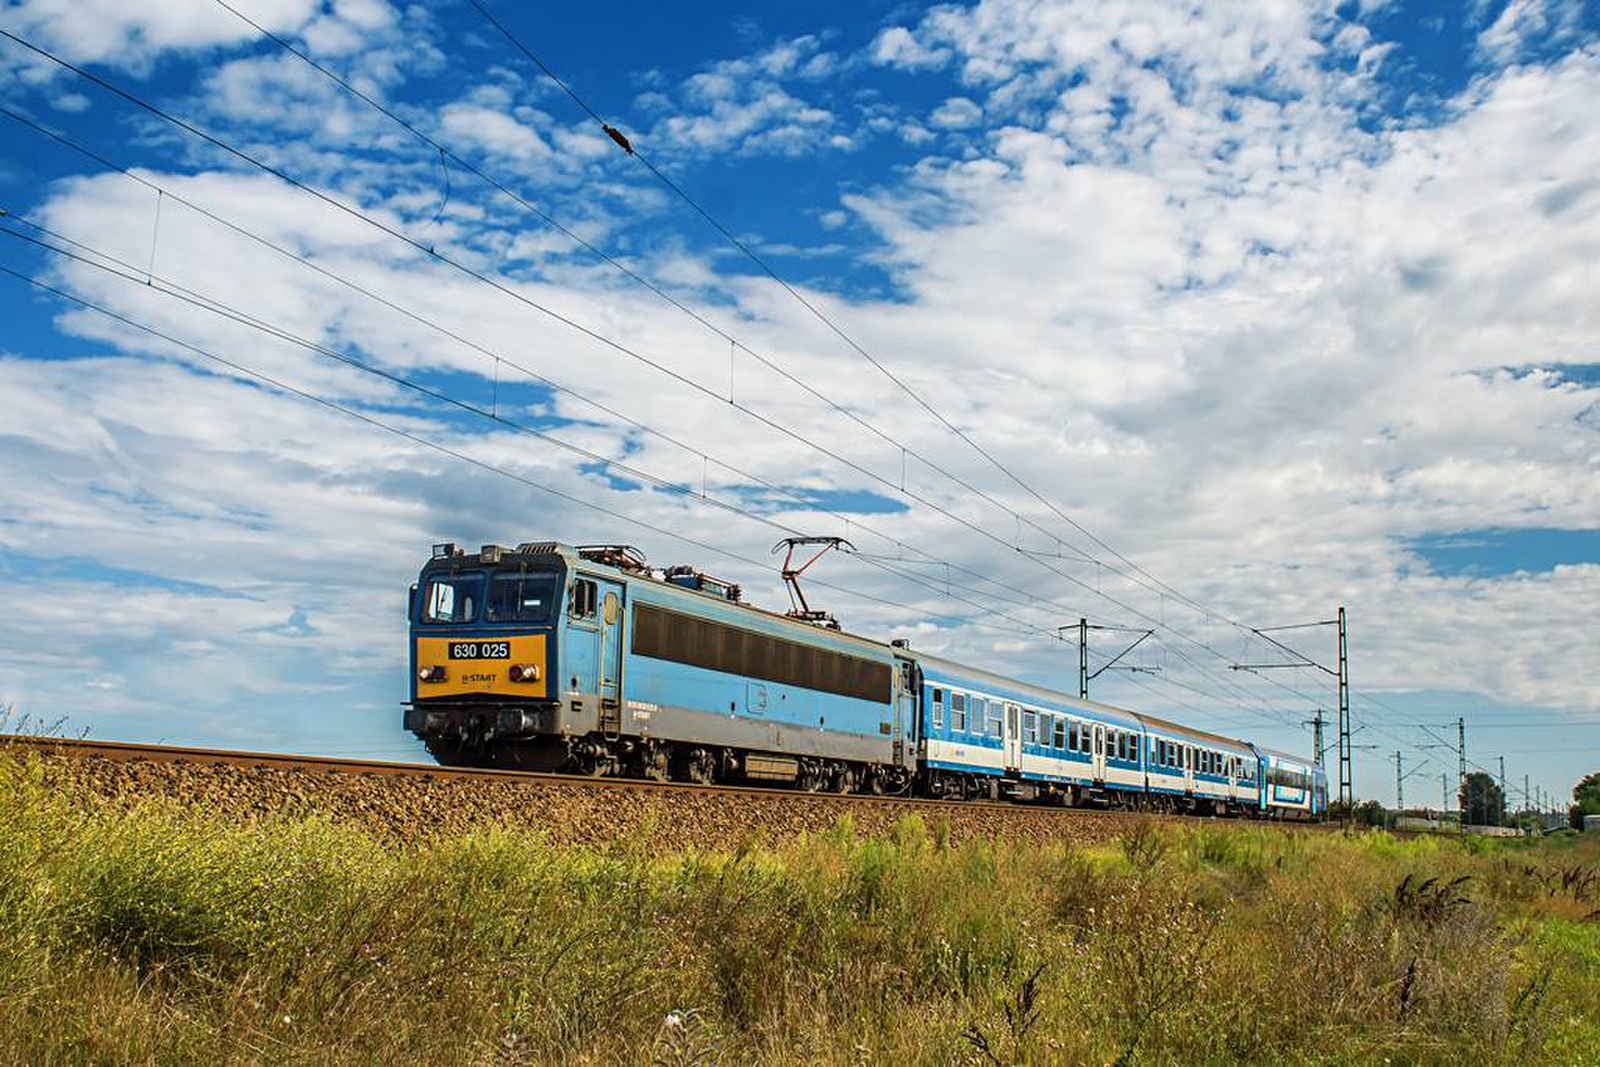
x=1098, y=756
x=594, y=646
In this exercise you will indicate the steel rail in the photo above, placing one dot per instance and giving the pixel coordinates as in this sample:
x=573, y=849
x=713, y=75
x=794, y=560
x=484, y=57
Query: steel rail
x=129, y=752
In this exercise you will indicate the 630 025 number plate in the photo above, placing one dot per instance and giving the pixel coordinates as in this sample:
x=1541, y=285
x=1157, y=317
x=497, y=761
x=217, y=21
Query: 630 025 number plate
x=480, y=650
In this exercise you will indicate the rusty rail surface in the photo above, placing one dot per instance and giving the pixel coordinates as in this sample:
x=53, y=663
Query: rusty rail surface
x=83, y=748
x=129, y=751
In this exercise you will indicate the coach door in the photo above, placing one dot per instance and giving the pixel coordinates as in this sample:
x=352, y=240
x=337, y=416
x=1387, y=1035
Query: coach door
x=1012, y=741
x=908, y=686
x=1189, y=754
x=1099, y=755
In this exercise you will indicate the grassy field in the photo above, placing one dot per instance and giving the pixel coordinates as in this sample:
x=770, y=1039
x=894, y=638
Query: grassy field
x=149, y=934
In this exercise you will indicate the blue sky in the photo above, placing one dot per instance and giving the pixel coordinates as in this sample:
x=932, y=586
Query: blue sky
x=1290, y=306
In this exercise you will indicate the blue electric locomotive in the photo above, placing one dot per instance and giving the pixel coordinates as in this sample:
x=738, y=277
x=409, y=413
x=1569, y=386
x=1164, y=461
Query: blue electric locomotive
x=586, y=660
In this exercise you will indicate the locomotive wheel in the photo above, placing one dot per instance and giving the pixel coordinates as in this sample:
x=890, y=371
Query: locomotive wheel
x=654, y=761
x=698, y=766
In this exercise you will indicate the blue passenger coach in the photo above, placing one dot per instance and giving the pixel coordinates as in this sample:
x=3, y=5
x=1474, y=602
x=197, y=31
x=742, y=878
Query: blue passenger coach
x=983, y=734
x=1291, y=786
x=1195, y=769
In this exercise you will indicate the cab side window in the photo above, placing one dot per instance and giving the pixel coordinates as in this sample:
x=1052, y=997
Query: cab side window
x=584, y=599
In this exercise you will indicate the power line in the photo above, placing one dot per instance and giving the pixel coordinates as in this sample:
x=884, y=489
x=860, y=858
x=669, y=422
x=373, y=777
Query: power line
x=608, y=342
x=500, y=358
x=445, y=449
x=627, y=146
x=129, y=273
x=131, y=276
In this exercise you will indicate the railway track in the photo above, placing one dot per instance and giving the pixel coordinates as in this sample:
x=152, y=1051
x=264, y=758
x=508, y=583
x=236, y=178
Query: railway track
x=122, y=751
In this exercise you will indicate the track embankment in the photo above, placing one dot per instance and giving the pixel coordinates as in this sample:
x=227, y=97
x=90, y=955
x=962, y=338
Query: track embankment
x=405, y=803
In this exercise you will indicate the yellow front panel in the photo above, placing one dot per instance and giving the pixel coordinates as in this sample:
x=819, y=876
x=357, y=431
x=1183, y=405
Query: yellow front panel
x=469, y=676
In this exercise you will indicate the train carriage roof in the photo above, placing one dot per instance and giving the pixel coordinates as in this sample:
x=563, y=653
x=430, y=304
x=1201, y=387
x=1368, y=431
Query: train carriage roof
x=1304, y=761
x=1026, y=690
x=1190, y=732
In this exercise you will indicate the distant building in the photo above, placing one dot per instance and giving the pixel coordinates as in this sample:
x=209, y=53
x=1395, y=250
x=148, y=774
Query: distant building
x=1591, y=824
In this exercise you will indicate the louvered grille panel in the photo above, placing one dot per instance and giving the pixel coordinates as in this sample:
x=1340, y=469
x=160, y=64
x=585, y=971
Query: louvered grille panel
x=667, y=635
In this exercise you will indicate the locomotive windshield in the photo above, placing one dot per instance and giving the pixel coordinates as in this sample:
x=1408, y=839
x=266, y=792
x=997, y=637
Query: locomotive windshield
x=503, y=596
x=452, y=598
x=520, y=596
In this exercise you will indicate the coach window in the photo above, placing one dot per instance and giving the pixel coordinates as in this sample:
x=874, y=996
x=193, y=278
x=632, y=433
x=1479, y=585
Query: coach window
x=1060, y=732
x=995, y=708
x=1030, y=727
x=938, y=709
x=958, y=711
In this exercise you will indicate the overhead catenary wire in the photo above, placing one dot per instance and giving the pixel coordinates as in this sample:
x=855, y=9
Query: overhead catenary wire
x=621, y=140
x=455, y=453
x=127, y=272
x=162, y=287
x=586, y=331
x=744, y=248
x=634, y=151
x=1171, y=682
x=500, y=358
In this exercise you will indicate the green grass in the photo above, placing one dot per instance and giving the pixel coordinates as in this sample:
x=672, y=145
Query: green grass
x=150, y=934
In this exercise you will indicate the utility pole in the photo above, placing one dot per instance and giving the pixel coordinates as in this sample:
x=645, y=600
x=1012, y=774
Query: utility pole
x=1315, y=722
x=1527, y=799
x=1346, y=790
x=1503, y=804
x=1083, y=659
x=1084, y=677
x=1444, y=790
x=1399, y=784
x=1461, y=753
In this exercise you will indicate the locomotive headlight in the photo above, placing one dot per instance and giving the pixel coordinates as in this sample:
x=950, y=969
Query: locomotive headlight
x=525, y=672
x=430, y=674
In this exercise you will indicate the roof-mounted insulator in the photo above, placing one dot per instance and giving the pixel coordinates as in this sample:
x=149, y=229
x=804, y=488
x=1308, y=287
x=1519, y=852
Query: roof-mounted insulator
x=689, y=578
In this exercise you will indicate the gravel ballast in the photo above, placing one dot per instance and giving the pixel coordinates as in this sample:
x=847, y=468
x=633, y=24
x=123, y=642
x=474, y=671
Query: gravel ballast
x=408, y=807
